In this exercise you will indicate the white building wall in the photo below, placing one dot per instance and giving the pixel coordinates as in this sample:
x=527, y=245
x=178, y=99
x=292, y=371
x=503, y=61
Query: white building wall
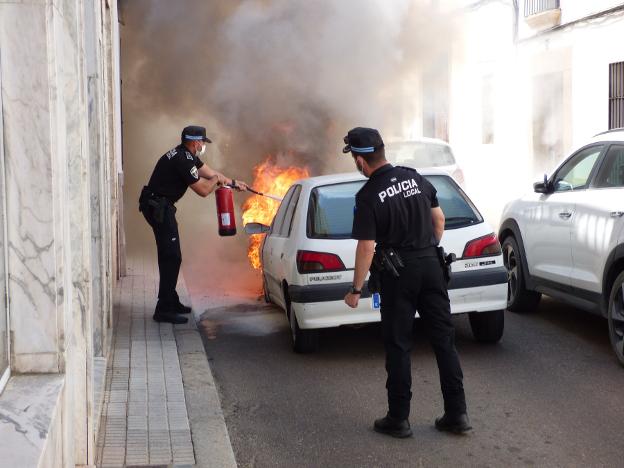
x=61, y=142
x=574, y=57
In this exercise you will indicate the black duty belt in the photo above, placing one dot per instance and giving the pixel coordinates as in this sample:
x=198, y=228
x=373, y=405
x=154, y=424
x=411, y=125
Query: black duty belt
x=412, y=252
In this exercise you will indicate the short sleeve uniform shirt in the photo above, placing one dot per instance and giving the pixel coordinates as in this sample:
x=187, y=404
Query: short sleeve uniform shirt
x=393, y=208
x=174, y=172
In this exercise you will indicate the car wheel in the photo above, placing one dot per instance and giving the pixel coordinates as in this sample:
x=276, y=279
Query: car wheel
x=519, y=299
x=304, y=341
x=615, y=317
x=487, y=327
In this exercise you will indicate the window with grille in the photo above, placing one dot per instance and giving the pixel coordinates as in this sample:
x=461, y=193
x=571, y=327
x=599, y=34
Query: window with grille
x=616, y=95
x=535, y=7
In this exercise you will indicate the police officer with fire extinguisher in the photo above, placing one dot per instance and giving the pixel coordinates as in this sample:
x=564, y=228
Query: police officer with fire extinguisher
x=398, y=210
x=178, y=169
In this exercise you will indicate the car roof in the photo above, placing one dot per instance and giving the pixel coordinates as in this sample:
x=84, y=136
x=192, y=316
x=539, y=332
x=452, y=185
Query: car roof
x=616, y=134
x=312, y=182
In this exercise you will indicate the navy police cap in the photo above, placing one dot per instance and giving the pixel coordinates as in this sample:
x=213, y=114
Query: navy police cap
x=195, y=132
x=362, y=140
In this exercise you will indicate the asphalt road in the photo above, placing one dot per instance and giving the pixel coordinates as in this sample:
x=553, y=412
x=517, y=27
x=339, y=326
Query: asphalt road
x=549, y=394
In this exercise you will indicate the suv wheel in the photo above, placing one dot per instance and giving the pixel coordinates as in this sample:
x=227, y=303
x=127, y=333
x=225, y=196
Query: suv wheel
x=304, y=341
x=519, y=299
x=615, y=317
x=487, y=327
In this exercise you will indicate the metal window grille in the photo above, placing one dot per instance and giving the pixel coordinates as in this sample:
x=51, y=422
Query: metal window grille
x=534, y=7
x=616, y=95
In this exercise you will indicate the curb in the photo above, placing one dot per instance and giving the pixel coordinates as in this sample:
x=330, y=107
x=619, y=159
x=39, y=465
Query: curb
x=211, y=439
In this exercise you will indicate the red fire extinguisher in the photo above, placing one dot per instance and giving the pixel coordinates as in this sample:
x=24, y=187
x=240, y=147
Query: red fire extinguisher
x=225, y=211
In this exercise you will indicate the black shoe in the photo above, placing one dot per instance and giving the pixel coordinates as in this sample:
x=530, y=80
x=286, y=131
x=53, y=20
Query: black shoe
x=169, y=318
x=455, y=424
x=399, y=428
x=182, y=309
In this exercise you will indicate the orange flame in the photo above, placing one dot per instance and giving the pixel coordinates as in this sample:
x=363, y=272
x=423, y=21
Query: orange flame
x=273, y=180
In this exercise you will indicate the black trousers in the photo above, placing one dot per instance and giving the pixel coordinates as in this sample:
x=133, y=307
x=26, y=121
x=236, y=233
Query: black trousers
x=421, y=286
x=165, y=229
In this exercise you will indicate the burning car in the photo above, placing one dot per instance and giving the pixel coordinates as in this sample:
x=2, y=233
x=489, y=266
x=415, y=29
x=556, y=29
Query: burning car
x=307, y=258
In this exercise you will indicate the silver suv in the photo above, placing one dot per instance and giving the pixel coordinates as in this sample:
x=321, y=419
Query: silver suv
x=566, y=239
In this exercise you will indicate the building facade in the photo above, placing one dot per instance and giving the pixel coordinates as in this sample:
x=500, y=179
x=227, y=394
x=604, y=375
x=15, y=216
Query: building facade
x=60, y=190
x=527, y=81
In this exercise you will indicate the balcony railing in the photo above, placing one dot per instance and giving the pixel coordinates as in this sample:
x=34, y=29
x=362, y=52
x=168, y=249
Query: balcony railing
x=535, y=7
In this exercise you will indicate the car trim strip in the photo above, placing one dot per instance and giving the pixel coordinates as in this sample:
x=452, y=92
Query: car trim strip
x=337, y=291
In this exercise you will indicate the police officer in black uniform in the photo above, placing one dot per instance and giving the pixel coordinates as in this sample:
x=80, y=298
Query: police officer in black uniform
x=398, y=210
x=176, y=170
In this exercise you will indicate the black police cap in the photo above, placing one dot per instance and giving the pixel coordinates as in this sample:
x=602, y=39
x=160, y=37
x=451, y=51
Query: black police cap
x=195, y=132
x=362, y=140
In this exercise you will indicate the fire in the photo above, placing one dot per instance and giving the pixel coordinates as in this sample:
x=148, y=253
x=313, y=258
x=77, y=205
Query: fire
x=271, y=179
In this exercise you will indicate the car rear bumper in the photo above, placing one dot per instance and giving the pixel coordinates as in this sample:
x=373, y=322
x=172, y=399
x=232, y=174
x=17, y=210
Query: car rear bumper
x=322, y=306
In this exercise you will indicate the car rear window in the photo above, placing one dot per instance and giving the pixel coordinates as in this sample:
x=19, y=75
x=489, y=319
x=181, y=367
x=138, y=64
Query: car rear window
x=458, y=210
x=330, y=212
x=420, y=154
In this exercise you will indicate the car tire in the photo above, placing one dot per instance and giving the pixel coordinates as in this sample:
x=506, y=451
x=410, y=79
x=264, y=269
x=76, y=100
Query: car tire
x=519, y=299
x=487, y=327
x=615, y=317
x=303, y=341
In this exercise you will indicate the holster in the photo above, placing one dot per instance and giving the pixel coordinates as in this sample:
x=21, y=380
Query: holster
x=445, y=262
x=387, y=260
x=158, y=205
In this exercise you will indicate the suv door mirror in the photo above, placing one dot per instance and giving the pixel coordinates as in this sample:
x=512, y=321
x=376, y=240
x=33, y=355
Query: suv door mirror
x=542, y=187
x=256, y=228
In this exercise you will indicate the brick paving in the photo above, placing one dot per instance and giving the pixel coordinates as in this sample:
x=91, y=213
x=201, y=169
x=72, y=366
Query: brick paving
x=144, y=419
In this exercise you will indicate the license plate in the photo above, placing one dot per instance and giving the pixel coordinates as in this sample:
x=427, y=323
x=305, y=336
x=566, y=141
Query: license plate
x=376, y=301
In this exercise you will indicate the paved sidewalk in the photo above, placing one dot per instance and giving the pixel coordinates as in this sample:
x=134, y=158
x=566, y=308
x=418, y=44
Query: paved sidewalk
x=144, y=418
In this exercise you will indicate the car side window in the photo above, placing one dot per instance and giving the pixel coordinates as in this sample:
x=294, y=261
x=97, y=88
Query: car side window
x=611, y=172
x=575, y=173
x=290, y=211
x=281, y=212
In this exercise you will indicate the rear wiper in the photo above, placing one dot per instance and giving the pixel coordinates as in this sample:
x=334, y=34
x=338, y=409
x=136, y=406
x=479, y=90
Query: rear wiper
x=460, y=218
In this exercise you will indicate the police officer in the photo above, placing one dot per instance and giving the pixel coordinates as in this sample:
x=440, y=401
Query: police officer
x=176, y=170
x=398, y=209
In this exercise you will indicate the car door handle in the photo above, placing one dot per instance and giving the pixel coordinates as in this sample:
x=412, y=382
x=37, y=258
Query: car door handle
x=565, y=215
x=617, y=214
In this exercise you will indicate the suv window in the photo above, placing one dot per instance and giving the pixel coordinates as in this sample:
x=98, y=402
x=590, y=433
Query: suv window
x=574, y=174
x=611, y=172
x=285, y=228
x=278, y=220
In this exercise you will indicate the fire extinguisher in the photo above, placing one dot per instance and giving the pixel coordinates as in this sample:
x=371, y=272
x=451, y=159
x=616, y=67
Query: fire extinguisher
x=225, y=211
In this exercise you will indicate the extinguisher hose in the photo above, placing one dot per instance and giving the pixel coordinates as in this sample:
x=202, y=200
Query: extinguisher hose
x=273, y=197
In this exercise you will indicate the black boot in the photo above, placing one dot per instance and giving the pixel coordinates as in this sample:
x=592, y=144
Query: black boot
x=455, y=424
x=182, y=309
x=399, y=428
x=167, y=314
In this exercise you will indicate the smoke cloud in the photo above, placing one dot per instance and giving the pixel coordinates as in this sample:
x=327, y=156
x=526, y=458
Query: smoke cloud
x=266, y=77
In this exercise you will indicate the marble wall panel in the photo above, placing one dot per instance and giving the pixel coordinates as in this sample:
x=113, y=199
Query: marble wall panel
x=30, y=209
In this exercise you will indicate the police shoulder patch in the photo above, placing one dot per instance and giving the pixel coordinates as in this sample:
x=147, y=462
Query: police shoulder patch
x=171, y=153
x=189, y=156
x=194, y=172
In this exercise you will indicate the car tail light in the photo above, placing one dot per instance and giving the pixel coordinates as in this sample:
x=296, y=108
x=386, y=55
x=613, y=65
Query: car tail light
x=482, y=247
x=458, y=175
x=316, y=262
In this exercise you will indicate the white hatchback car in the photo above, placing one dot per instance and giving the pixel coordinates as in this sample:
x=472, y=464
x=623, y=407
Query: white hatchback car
x=308, y=258
x=566, y=239
x=425, y=153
